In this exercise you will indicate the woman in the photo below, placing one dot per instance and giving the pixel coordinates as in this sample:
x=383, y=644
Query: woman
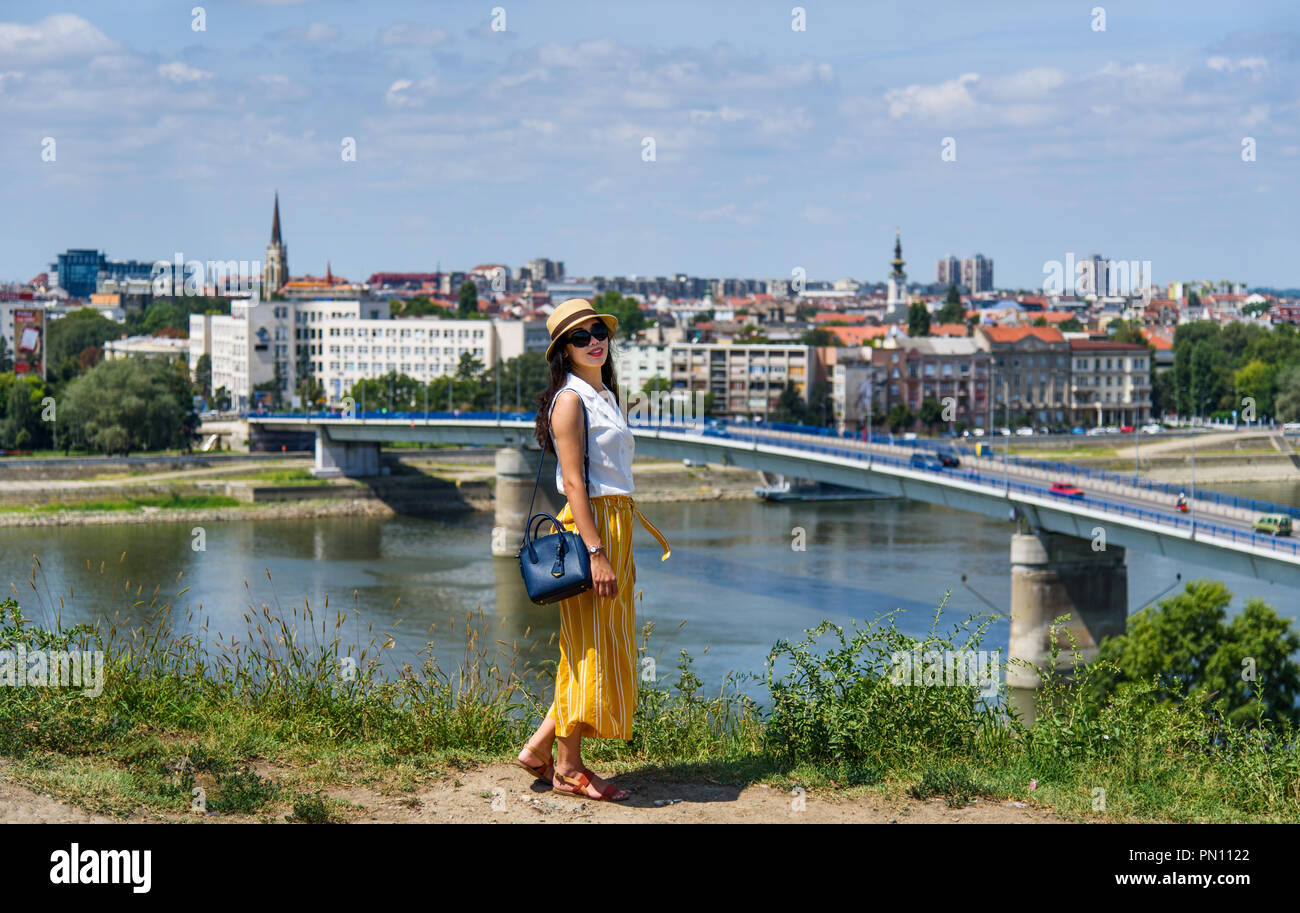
x=596, y=678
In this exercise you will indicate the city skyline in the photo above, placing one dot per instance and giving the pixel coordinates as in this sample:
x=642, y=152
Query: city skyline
x=775, y=149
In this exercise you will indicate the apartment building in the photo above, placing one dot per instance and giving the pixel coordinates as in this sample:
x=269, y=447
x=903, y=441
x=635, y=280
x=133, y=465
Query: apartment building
x=1110, y=382
x=634, y=365
x=952, y=371
x=1029, y=374
x=340, y=342
x=745, y=379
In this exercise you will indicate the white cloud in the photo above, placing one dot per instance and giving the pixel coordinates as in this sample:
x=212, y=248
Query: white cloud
x=54, y=37
x=1255, y=65
x=723, y=114
x=931, y=102
x=412, y=35
x=405, y=93
x=279, y=87
x=180, y=73
x=315, y=33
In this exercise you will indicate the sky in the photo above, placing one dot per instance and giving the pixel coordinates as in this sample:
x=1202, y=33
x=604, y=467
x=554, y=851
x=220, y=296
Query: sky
x=1020, y=130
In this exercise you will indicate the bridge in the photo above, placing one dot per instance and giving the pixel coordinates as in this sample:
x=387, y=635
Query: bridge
x=1067, y=555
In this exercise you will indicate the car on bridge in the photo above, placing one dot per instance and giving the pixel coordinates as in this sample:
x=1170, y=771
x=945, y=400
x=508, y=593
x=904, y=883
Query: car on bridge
x=948, y=458
x=923, y=460
x=1273, y=524
x=1152, y=428
x=1078, y=429
x=1066, y=490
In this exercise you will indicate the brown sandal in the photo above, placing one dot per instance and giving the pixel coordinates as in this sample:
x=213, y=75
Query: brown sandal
x=543, y=771
x=578, y=788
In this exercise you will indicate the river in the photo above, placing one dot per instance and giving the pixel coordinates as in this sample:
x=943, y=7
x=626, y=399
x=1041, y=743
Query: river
x=734, y=577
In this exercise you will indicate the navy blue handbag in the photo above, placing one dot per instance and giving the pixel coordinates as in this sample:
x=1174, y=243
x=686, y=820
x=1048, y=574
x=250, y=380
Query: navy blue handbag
x=555, y=566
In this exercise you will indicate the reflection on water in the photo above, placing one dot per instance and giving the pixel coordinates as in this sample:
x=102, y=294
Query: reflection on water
x=742, y=576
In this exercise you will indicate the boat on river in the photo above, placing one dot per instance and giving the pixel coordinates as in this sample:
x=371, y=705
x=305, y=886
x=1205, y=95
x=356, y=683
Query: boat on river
x=784, y=489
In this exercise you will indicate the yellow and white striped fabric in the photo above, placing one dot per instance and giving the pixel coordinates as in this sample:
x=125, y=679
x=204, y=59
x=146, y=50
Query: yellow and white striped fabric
x=596, y=679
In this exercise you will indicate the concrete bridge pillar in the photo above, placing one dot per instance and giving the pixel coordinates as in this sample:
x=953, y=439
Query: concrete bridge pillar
x=516, y=472
x=354, y=459
x=1053, y=575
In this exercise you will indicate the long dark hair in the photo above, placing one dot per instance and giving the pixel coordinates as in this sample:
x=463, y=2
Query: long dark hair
x=560, y=367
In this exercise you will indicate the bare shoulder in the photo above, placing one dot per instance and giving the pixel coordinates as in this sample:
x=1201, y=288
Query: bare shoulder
x=566, y=411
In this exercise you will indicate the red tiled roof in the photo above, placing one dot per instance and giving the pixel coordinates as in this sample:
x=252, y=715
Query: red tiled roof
x=823, y=316
x=1159, y=340
x=857, y=335
x=948, y=329
x=1106, y=345
x=1015, y=334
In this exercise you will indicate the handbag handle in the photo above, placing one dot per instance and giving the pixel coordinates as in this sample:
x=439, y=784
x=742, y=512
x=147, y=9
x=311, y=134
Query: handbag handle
x=586, y=472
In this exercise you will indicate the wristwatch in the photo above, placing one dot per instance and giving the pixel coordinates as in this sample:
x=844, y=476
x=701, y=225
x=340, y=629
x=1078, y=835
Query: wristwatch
x=592, y=549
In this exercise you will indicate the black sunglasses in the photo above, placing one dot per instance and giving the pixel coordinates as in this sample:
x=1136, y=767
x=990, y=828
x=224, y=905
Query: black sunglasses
x=582, y=338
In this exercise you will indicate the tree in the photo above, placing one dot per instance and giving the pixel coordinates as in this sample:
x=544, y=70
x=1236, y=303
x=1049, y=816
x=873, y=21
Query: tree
x=900, y=417
x=468, y=299
x=818, y=336
x=1128, y=331
x=1070, y=325
x=203, y=375
x=1187, y=645
x=790, y=407
x=67, y=338
x=918, y=320
x=1286, y=402
x=631, y=319
x=419, y=306
x=130, y=404
x=1258, y=381
x=655, y=390
x=6, y=357
x=1040, y=321
x=931, y=413
x=821, y=409
x=22, y=427
x=952, y=311
x=394, y=391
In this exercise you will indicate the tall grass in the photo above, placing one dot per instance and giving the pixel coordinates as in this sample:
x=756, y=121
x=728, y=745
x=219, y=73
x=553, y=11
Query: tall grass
x=299, y=690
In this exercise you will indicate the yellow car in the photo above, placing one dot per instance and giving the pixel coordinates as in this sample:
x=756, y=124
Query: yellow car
x=1273, y=524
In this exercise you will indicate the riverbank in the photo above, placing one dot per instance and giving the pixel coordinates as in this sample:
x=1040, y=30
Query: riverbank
x=271, y=492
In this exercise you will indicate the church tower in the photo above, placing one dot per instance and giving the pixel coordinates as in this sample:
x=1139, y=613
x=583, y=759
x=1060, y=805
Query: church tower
x=276, y=271
x=897, y=278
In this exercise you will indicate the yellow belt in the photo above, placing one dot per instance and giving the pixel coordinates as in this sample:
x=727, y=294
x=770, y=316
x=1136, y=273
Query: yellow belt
x=627, y=501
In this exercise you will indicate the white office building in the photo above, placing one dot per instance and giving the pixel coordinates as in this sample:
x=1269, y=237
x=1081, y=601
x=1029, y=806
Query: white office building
x=340, y=342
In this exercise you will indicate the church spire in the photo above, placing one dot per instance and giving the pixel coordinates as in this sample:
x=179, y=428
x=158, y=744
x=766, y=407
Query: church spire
x=275, y=221
x=897, y=262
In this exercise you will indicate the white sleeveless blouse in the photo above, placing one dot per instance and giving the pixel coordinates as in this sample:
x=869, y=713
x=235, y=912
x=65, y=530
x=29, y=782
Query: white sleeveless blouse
x=610, y=441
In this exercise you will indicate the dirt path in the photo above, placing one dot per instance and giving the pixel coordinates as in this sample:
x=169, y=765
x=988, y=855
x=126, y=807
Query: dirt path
x=500, y=793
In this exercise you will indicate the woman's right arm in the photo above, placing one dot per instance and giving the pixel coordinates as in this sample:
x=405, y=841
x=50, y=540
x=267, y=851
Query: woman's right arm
x=567, y=428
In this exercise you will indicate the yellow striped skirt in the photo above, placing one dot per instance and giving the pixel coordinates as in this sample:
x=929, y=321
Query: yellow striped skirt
x=596, y=679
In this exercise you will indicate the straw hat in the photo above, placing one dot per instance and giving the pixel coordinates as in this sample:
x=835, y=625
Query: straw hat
x=568, y=315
